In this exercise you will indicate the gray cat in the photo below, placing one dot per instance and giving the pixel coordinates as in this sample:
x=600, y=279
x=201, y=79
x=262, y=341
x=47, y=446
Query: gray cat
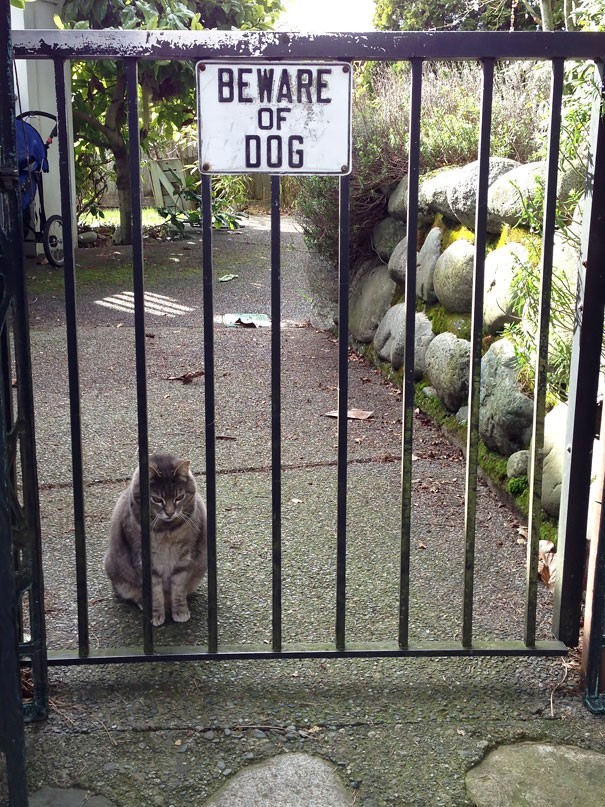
x=178, y=539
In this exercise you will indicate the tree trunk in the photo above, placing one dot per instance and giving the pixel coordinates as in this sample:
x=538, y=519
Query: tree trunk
x=569, y=14
x=124, y=197
x=115, y=120
x=548, y=23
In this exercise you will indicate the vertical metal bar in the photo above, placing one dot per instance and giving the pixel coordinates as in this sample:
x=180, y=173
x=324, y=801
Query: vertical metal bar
x=69, y=272
x=472, y=441
x=12, y=738
x=343, y=405
x=537, y=447
x=138, y=276
x=594, y=613
x=276, y=493
x=583, y=385
x=210, y=425
x=409, y=345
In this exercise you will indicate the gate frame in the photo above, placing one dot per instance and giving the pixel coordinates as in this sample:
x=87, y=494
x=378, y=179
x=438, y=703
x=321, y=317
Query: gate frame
x=61, y=46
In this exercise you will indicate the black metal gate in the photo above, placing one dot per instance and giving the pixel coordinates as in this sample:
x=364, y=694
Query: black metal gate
x=19, y=510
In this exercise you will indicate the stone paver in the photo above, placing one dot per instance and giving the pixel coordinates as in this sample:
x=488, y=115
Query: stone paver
x=288, y=780
x=538, y=774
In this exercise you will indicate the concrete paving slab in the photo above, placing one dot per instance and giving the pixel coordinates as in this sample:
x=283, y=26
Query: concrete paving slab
x=59, y=797
x=289, y=780
x=538, y=774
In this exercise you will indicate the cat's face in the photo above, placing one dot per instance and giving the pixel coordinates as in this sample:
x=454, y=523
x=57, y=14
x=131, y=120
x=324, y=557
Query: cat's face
x=168, y=502
x=171, y=490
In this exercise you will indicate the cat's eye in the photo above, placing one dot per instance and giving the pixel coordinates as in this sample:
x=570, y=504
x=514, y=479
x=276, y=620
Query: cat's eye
x=179, y=498
x=157, y=500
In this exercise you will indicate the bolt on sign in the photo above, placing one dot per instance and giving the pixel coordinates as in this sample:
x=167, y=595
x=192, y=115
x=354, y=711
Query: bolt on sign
x=274, y=117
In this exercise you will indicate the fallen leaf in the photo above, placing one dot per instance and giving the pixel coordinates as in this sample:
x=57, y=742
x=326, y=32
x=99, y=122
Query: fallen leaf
x=547, y=564
x=352, y=414
x=226, y=278
x=421, y=545
x=186, y=378
x=522, y=531
x=461, y=732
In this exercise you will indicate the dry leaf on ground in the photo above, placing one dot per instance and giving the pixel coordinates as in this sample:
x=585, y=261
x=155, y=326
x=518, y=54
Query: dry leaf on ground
x=186, y=378
x=547, y=564
x=352, y=414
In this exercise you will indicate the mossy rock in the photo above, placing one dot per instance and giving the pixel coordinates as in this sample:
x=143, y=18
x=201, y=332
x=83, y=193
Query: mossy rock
x=442, y=321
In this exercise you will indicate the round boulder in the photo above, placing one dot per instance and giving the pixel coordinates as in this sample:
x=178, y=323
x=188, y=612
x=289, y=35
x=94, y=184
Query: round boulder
x=398, y=201
x=505, y=412
x=518, y=464
x=369, y=299
x=427, y=261
x=386, y=235
x=389, y=340
x=501, y=266
x=398, y=262
x=462, y=194
x=447, y=367
x=453, y=277
x=539, y=774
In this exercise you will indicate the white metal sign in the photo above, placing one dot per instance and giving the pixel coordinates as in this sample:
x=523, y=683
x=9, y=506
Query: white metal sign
x=274, y=117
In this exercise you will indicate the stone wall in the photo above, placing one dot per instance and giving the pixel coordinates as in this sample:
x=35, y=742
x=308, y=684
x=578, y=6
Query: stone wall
x=444, y=276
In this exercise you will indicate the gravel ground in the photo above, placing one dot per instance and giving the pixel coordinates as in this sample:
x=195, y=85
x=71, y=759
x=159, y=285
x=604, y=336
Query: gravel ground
x=397, y=731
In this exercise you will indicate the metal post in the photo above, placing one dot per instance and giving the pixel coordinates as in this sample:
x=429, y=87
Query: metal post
x=583, y=386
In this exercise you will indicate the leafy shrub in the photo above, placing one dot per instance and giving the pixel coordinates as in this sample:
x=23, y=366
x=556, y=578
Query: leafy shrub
x=229, y=196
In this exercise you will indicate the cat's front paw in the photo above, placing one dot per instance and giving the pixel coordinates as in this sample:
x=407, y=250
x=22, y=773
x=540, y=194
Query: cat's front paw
x=158, y=618
x=181, y=614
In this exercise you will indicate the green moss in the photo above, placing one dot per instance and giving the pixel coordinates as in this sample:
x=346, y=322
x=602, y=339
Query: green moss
x=450, y=234
x=517, y=485
x=493, y=464
x=442, y=321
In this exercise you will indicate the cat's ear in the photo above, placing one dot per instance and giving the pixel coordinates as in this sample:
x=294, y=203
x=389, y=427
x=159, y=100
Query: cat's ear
x=182, y=469
x=154, y=471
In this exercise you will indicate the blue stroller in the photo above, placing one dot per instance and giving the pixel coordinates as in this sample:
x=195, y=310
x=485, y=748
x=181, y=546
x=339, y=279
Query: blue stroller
x=32, y=160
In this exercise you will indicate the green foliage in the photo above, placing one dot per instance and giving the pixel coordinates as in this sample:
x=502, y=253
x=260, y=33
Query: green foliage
x=166, y=87
x=453, y=15
x=523, y=333
x=92, y=178
x=580, y=93
x=229, y=196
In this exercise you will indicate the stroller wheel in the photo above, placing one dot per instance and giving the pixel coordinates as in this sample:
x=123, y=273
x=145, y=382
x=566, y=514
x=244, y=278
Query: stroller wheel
x=52, y=240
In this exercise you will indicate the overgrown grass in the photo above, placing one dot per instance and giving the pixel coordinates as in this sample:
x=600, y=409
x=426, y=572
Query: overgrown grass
x=111, y=218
